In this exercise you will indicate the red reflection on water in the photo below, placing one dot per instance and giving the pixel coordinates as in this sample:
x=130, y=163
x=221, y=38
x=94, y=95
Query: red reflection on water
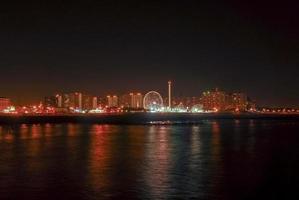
x=48, y=129
x=72, y=129
x=99, y=157
x=216, y=141
x=24, y=131
x=6, y=134
x=8, y=137
x=215, y=127
x=35, y=131
x=158, y=155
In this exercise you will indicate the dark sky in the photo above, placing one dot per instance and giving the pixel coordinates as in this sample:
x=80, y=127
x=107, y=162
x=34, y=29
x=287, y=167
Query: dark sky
x=103, y=47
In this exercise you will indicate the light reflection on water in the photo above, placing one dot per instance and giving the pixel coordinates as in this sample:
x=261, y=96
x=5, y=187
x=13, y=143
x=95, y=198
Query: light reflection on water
x=214, y=160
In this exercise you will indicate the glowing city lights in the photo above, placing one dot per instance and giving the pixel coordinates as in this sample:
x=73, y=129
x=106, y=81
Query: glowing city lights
x=212, y=101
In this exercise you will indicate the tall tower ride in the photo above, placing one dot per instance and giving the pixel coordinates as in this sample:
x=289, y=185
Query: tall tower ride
x=169, y=95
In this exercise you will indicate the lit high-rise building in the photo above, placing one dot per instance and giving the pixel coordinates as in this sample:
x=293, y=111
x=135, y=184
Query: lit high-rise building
x=221, y=101
x=125, y=101
x=50, y=101
x=76, y=100
x=94, y=102
x=70, y=101
x=214, y=100
x=102, y=101
x=132, y=100
x=59, y=101
x=112, y=101
x=87, y=102
x=238, y=101
x=136, y=100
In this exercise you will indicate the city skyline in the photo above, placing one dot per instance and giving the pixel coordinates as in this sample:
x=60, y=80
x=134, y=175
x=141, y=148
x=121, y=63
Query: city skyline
x=19, y=101
x=106, y=47
x=170, y=92
x=152, y=101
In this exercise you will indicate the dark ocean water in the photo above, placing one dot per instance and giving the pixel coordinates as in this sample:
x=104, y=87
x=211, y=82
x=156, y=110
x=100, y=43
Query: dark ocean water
x=215, y=159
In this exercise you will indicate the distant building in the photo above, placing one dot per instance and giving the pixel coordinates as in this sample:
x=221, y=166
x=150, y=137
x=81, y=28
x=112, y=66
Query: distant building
x=66, y=101
x=4, y=103
x=125, y=101
x=221, y=101
x=236, y=102
x=136, y=100
x=131, y=100
x=50, y=101
x=74, y=101
x=214, y=100
x=69, y=101
x=251, y=104
x=94, y=102
x=239, y=101
x=59, y=101
x=102, y=102
x=89, y=102
x=112, y=101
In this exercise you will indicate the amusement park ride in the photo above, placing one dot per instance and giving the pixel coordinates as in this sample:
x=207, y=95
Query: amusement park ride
x=153, y=102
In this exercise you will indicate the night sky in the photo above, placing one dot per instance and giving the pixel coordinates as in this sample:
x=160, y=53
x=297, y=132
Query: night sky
x=102, y=47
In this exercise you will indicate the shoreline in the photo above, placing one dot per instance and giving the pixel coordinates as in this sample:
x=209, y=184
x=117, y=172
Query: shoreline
x=139, y=118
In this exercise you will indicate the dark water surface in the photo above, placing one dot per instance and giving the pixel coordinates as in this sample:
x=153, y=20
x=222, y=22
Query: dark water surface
x=217, y=159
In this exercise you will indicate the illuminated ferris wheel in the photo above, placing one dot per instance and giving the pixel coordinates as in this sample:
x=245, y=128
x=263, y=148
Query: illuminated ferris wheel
x=153, y=101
